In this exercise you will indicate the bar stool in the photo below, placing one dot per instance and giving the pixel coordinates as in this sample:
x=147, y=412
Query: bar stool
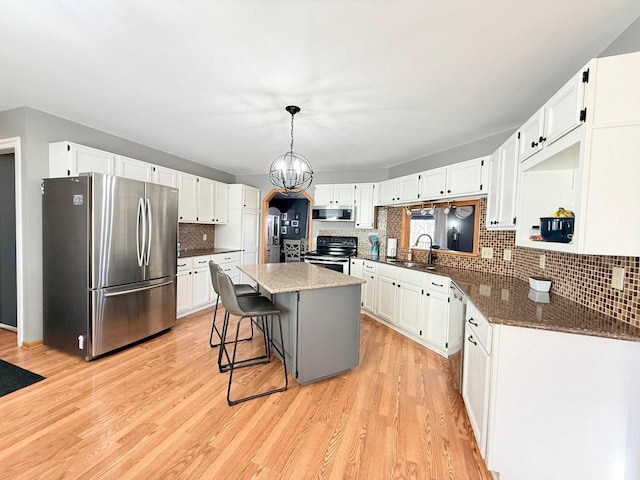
x=248, y=307
x=241, y=290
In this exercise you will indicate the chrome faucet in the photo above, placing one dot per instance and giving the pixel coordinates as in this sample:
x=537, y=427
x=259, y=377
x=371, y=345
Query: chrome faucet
x=430, y=257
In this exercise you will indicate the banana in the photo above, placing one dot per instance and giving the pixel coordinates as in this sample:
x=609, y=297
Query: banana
x=563, y=213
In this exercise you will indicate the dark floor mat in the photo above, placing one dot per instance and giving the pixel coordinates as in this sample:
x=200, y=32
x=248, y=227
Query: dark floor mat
x=14, y=378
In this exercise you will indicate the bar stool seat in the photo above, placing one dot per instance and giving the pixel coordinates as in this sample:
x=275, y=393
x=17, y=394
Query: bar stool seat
x=248, y=307
x=242, y=290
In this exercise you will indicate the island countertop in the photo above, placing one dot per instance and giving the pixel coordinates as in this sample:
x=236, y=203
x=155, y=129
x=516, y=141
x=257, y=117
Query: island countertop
x=295, y=277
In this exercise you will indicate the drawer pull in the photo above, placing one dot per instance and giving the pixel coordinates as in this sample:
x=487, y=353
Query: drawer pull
x=182, y=264
x=472, y=322
x=202, y=261
x=471, y=340
x=437, y=284
x=227, y=258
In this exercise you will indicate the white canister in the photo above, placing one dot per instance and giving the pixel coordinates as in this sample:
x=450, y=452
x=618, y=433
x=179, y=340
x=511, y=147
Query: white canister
x=392, y=247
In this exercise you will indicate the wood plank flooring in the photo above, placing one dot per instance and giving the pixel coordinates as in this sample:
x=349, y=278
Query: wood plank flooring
x=158, y=410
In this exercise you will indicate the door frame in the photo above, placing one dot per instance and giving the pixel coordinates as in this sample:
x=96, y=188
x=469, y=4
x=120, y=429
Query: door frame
x=264, y=228
x=13, y=145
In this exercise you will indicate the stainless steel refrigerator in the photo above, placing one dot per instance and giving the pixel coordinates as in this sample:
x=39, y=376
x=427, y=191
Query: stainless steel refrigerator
x=109, y=262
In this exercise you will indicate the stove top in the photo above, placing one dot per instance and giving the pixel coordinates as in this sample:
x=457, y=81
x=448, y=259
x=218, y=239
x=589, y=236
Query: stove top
x=334, y=247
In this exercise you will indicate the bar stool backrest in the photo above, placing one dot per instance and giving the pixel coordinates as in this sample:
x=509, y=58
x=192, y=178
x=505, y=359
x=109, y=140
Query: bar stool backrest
x=214, y=269
x=228, y=294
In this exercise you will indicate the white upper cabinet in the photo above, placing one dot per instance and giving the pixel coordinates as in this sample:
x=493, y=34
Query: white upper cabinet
x=561, y=114
x=165, y=176
x=340, y=194
x=188, y=198
x=400, y=190
x=461, y=179
x=68, y=159
x=466, y=178
x=134, y=169
x=408, y=188
x=592, y=170
x=503, y=180
x=206, y=199
x=221, y=203
x=433, y=183
x=364, y=204
x=250, y=197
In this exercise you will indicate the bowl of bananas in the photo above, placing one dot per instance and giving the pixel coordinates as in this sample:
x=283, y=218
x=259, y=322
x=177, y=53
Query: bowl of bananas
x=558, y=227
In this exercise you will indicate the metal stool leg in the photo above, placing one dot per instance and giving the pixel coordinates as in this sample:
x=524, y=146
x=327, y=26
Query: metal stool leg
x=214, y=328
x=247, y=362
x=233, y=366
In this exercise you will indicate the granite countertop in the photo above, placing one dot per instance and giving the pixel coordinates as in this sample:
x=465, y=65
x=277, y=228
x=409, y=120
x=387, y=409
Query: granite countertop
x=294, y=277
x=197, y=252
x=506, y=300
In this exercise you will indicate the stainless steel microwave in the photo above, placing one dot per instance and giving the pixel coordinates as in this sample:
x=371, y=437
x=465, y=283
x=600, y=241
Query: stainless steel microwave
x=334, y=214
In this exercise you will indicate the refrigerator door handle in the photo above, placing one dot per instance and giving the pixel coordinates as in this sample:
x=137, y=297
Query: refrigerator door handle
x=126, y=292
x=140, y=245
x=149, y=230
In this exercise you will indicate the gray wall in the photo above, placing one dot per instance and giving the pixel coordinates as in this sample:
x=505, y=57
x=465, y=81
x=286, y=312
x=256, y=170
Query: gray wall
x=36, y=130
x=7, y=241
x=627, y=42
x=343, y=176
x=478, y=148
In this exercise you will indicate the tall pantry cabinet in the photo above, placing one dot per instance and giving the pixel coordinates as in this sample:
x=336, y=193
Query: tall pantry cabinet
x=243, y=228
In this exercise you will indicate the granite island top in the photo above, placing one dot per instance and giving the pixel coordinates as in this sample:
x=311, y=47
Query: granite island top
x=197, y=252
x=296, y=276
x=507, y=300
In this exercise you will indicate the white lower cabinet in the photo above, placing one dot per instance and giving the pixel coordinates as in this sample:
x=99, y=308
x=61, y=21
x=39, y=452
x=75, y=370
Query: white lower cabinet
x=476, y=375
x=194, y=288
x=411, y=302
x=370, y=287
x=385, y=306
x=183, y=291
x=552, y=405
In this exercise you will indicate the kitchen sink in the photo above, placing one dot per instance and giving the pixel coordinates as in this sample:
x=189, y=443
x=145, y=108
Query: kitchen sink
x=416, y=265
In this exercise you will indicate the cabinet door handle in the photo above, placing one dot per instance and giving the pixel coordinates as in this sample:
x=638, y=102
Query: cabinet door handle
x=472, y=322
x=394, y=283
x=471, y=340
x=448, y=191
x=542, y=139
x=398, y=285
x=534, y=144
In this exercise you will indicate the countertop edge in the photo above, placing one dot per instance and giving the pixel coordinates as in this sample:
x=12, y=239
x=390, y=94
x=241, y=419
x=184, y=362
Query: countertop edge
x=613, y=328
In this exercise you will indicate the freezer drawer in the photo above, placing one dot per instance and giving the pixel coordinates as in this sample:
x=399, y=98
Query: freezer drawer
x=121, y=316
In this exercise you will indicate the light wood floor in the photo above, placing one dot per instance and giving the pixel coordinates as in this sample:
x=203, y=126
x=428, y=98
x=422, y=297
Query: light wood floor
x=158, y=410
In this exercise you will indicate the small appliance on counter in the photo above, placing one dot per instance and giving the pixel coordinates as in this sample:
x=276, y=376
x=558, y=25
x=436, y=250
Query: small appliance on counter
x=392, y=248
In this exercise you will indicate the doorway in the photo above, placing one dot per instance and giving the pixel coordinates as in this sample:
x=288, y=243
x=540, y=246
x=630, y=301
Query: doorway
x=291, y=215
x=8, y=285
x=11, y=260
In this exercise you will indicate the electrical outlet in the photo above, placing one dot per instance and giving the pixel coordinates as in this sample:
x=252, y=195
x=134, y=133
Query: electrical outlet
x=617, y=280
x=487, y=252
x=543, y=260
x=485, y=290
x=505, y=294
x=204, y=236
x=507, y=255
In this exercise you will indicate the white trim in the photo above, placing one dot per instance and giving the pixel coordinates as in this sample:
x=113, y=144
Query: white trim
x=8, y=327
x=12, y=145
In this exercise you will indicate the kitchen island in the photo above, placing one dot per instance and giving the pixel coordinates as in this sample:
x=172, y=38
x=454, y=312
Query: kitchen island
x=320, y=311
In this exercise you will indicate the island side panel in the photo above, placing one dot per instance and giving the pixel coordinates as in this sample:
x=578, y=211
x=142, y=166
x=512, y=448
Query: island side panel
x=288, y=305
x=328, y=332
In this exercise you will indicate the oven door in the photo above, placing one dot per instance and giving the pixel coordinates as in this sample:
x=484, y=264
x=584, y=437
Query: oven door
x=341, y=266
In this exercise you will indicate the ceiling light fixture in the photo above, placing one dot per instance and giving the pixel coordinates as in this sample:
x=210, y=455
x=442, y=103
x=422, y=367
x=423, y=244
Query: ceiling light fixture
x=291, y=172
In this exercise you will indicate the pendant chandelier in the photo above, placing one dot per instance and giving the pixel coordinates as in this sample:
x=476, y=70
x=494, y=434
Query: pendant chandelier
x=292, y=171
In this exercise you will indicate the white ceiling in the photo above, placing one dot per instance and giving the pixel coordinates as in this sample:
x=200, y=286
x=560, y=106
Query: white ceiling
x=379, y=82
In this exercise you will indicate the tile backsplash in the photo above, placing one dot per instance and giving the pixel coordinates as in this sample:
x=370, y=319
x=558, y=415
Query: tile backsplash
x=190, y=236
x=585, y=279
